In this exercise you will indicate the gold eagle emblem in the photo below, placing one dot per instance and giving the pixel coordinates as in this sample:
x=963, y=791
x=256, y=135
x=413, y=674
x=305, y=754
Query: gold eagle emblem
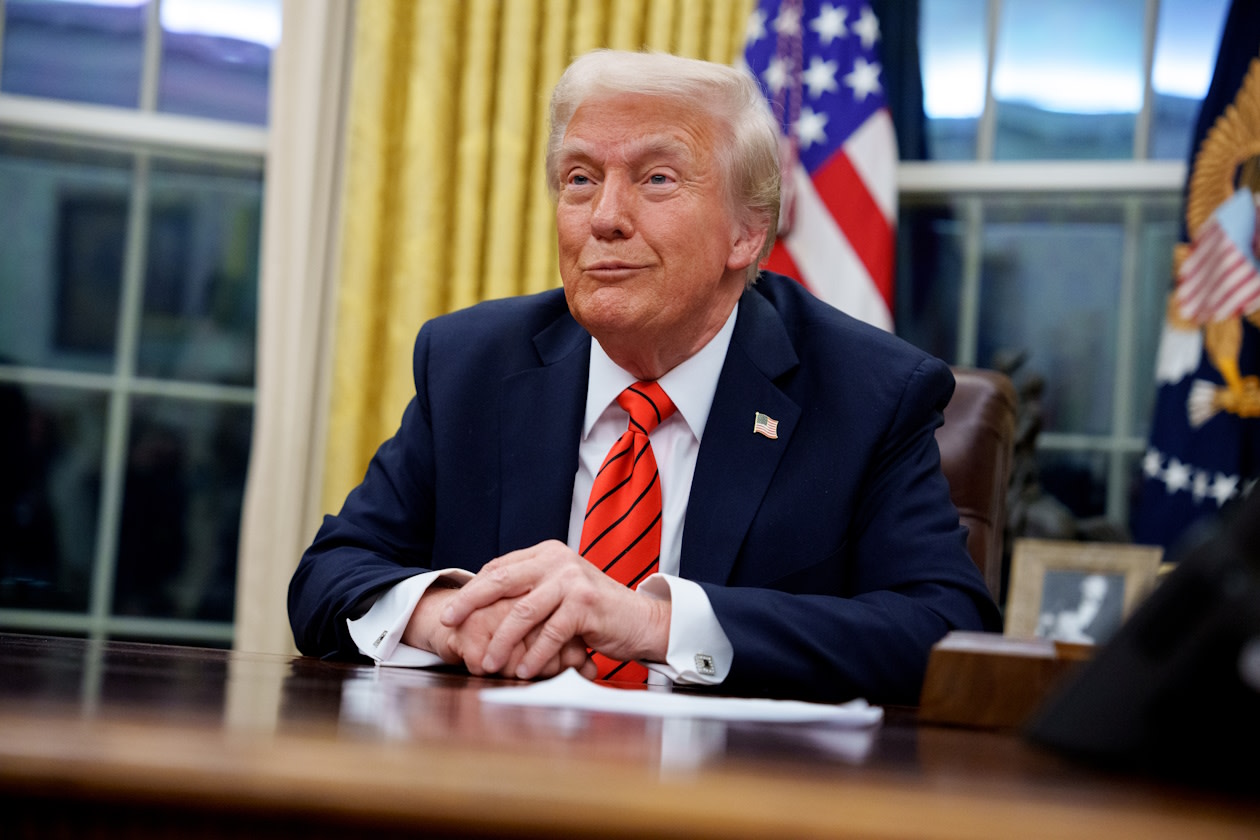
x=1227, y=159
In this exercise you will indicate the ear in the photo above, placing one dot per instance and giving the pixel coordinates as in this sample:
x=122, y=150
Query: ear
x=747, y=246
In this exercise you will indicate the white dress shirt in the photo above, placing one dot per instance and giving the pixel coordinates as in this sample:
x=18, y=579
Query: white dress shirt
x=699, y=651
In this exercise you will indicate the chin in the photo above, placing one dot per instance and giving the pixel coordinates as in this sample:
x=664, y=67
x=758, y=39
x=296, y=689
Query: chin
x=609, y=323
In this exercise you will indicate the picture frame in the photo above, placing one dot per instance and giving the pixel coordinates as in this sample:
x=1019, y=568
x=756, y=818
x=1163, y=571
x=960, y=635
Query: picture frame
x=1078, y=592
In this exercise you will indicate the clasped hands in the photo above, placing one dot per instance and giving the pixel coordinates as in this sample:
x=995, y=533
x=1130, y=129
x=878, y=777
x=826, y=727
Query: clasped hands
x=536, y=612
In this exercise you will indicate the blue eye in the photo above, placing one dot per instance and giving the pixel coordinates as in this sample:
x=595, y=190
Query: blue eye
x=658, y=179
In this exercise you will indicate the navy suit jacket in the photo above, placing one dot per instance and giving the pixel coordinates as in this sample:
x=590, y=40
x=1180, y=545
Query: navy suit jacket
x=832, y=555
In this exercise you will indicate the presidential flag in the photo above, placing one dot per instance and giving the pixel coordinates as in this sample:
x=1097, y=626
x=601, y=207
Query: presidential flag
x=1204, y=447
x=819, y=68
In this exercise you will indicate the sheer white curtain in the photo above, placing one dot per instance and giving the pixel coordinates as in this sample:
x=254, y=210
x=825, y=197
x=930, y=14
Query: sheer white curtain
x=310, y=76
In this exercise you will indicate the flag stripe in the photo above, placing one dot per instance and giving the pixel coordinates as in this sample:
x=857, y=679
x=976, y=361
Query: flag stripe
x=780, y=260
x=1234, y=289
x=1217, y=280
x=843, y=192
x=827, y=261
x=870, y=150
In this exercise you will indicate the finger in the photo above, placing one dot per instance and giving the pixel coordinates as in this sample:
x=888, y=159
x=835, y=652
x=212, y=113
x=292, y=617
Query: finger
x=496, y=581
x=573, y=655
x=530, y=614
x=514, y=661
x=589, y=669
x=554, y=636
x=509, y=575
x=470, y=649
x=467, y=642
x=575, y=603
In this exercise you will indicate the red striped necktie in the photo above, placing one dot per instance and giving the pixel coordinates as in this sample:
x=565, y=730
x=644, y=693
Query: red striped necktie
x=622, y=530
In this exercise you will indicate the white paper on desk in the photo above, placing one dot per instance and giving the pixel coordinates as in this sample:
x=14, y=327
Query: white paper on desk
x=570, y=690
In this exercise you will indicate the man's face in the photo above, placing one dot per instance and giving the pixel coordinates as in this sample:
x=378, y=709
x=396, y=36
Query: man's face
x=651, y=254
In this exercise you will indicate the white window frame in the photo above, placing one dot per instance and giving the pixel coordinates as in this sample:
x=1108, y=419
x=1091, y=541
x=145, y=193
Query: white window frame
x=143, y=133
x=1131, y=182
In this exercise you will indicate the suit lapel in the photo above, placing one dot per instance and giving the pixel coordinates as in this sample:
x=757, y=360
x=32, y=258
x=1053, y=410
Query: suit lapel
x=541, y=416
x=735, y=465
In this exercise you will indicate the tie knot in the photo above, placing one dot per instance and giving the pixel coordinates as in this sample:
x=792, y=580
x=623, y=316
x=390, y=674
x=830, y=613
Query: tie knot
x=648, y=405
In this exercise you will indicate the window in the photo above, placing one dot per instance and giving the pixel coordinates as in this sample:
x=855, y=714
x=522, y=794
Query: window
x=1039, y=237
x=132, y=136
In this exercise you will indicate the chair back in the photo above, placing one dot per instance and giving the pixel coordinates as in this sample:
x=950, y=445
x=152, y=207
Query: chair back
x=977, y=444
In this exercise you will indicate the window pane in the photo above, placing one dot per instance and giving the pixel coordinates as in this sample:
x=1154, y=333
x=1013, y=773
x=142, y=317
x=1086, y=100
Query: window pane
x=1077, y=479
x=1133, y=486
x=85, y=51
x=1185, y=56
x=186, y=464
x=1068, y=79
x=50, y=475
x=952, y=44
x=61, y=258
x=216, y=58
x=1160, y=231
x=1050, y=290
x=930, y=242
x=201, y=289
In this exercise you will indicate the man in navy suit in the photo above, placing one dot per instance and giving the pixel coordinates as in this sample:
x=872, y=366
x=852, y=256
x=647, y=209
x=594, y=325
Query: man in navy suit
x=808, y=544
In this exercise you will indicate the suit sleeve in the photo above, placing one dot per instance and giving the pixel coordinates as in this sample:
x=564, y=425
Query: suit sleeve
x=892, y=574
x=383, y=534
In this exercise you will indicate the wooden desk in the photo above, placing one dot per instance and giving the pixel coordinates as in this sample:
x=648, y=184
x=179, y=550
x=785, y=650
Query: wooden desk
x=146, y=740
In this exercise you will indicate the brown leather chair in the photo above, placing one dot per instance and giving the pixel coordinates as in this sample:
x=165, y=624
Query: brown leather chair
x=977, y=442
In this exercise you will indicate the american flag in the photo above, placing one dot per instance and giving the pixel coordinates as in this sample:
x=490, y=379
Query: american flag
x=818, y=66
x=1221, y=277
x=763, y=424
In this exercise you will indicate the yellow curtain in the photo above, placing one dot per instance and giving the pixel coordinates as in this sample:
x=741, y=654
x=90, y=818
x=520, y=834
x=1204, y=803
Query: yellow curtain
x=445, y=202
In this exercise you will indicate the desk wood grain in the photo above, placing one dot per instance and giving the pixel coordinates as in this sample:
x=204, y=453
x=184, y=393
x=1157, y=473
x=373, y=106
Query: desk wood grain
x=151, y=740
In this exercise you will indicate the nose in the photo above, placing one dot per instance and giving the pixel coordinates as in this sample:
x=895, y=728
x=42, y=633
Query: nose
x=613, y=209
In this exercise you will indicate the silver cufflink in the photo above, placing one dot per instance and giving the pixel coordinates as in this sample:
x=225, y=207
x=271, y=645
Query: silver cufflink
x=380, y=638
x=704, y=664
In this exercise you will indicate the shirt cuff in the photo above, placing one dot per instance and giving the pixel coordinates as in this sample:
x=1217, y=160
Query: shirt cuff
x=699, y=651
x=378, y=632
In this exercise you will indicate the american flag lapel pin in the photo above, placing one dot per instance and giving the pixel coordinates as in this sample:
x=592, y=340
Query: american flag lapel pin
x=763, y=424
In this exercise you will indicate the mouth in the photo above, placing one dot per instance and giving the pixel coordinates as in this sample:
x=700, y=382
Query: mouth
x=611, y=269
x=610, y=265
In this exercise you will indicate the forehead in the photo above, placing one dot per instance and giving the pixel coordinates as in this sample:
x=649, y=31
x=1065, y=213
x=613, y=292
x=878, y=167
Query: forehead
x=632, y=126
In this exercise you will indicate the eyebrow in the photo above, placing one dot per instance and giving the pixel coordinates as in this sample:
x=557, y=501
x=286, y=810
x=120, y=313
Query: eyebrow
x=636, y=149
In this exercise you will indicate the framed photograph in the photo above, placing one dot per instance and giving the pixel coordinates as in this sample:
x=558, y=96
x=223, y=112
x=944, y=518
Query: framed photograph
x=1078, y=592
